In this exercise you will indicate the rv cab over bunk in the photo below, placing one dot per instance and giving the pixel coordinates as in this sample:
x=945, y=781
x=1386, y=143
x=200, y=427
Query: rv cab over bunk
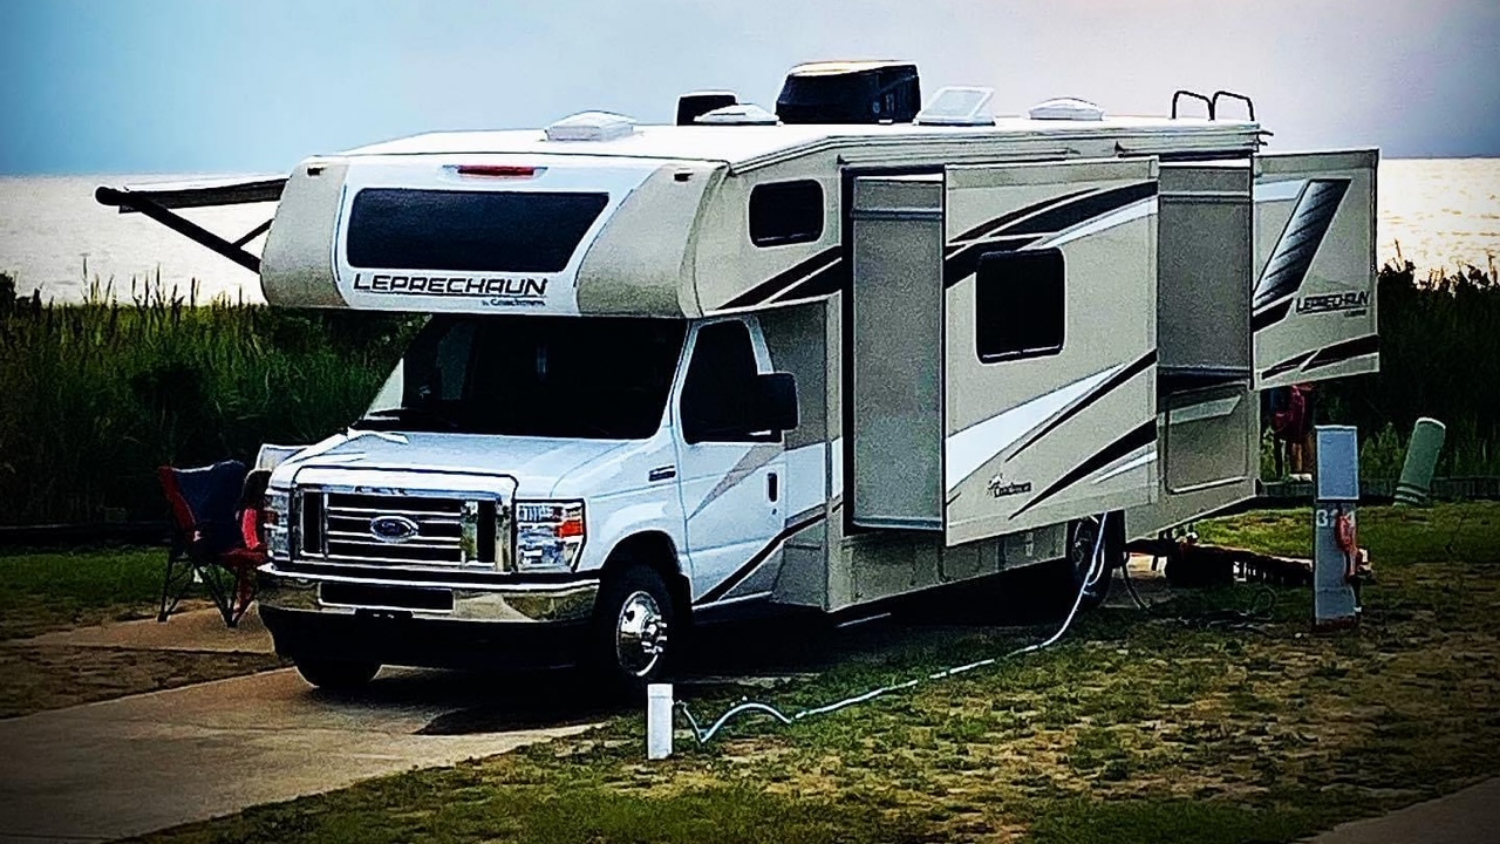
x=820, y=358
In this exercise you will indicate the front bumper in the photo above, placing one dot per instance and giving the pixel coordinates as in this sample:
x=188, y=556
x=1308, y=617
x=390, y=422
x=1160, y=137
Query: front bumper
x=396, y=619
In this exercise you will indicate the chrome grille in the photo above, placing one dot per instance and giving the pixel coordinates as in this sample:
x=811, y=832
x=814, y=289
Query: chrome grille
x=337, y=527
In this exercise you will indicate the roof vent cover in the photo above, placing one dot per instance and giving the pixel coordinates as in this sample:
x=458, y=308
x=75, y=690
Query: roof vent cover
x=850, y=92
x=743, y=114
x=956, y=106
x=1066, y=108
x=692, y=105
x=591, y=126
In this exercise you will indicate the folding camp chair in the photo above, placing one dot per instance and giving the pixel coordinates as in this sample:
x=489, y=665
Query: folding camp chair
x=215, y=536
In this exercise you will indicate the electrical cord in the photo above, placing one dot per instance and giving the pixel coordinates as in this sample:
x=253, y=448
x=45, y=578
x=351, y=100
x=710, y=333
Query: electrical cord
x=1091, y=577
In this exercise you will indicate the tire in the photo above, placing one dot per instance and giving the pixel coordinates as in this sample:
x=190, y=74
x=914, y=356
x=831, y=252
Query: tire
x=1082, y=536
x=336, y=676
x=634, y=618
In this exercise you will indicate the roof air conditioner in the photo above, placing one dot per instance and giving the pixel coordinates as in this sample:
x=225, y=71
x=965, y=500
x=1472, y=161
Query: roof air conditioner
x=850, y=92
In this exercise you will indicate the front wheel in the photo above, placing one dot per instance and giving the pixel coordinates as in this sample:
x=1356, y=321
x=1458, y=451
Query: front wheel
x=336, y=676
x=629, y=641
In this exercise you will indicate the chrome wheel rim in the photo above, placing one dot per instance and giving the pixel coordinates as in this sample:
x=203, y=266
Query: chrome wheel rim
x=640, y=634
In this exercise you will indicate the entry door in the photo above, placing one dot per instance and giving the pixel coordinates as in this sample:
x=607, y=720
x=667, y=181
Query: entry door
x=1314, y=298
x=1050, y=344
x=732, y=480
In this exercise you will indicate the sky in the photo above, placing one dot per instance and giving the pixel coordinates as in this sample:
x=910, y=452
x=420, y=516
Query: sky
x=199, y=86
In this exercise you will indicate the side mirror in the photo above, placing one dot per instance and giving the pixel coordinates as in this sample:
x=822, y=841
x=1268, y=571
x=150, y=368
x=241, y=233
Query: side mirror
x=775, y=407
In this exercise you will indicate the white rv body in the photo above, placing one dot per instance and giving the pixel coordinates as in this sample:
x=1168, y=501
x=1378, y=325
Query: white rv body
x=997, y=333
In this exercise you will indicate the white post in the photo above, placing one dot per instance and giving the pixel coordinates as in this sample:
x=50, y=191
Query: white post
x=658, y=720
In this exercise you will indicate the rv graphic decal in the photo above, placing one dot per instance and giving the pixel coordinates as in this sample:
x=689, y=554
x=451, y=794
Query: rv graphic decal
x=1026, y=226
x=1337, y=353
x=495, y=291
x=1135, y=440
x=1000, y=488
x=827, y=273
x=738, y=576
x=1294, y=251
x=1355, y=303
x=815, y=272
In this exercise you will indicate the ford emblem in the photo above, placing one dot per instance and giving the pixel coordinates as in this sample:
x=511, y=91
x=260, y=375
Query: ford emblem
x=393, y=528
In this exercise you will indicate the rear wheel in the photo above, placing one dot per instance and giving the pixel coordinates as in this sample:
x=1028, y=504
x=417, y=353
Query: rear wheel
x=337, y=676
x=1083, y=539
x=628, y=645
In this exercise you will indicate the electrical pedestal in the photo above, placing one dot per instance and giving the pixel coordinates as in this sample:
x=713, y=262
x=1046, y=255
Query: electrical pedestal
x=1335, y=540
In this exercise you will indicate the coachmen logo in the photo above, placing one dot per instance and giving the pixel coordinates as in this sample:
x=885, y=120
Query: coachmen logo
x=393, y=528
x=1000, y=488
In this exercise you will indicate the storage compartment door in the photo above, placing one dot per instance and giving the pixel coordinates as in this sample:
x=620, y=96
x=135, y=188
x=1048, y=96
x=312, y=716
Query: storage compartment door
x=1209, y=440
x=1050, y=344
x=896, y=336
x=1314, y=298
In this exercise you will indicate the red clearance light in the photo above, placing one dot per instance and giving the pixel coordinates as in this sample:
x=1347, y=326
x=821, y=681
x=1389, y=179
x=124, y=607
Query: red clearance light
x=498, y=171
x=570, y=527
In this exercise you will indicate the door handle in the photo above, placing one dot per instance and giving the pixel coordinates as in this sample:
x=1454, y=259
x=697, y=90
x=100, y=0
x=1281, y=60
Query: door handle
x=773, y=490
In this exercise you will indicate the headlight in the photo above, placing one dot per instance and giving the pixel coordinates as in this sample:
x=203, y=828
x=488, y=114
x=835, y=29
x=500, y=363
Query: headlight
x=549, y=534
x=274, y=522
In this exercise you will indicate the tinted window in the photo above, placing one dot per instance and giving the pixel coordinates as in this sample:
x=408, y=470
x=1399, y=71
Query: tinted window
x=468, y=231
x=1018, y=304
x=786, y=212
x=595, y=377
x=720, y=387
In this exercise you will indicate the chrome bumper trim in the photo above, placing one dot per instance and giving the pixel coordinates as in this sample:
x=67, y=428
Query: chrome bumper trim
x=517, y=603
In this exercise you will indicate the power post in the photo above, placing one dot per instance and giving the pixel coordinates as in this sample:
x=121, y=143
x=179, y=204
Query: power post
x=1336, y=561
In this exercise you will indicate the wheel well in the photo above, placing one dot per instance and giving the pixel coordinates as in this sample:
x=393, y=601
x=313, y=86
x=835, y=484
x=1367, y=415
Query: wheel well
x=654, y=549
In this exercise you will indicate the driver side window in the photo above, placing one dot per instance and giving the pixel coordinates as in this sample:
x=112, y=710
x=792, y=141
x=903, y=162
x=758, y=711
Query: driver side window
x=719, y=393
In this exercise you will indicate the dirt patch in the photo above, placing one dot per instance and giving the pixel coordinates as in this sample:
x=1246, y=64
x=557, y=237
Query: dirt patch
x=37, y=678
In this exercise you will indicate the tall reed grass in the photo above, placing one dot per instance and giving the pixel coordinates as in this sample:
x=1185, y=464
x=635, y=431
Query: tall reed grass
x=94, y=396
x=1439, y=357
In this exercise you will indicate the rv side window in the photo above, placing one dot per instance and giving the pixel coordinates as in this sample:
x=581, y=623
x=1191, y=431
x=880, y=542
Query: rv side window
x=786, y=212
x=720, y=386
x=1018, y=305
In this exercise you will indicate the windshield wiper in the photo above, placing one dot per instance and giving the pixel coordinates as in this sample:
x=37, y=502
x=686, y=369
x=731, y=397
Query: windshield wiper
x=405, y=415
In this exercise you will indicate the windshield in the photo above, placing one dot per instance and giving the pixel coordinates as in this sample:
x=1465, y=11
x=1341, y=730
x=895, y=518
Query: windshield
x=596, y=377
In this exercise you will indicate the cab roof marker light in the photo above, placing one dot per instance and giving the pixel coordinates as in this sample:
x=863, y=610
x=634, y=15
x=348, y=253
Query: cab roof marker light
x=496, y=171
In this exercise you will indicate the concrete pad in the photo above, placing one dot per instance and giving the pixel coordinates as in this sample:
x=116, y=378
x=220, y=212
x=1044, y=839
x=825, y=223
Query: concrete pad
x=1463, y=817
x=133, y=765
x=190, y=630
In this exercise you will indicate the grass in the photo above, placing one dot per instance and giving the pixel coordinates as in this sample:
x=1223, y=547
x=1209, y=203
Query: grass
x=1134, y=728
x=51, y=590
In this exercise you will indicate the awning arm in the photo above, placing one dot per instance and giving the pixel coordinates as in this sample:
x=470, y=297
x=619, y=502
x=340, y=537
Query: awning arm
x=157, y=202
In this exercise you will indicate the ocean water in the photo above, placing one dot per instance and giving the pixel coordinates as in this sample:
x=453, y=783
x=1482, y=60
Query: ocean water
x=1436, y=213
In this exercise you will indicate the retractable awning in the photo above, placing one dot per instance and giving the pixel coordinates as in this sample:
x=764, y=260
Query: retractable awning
x=159, y=200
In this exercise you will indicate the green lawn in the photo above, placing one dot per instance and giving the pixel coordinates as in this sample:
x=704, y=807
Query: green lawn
x=49, y=590
x=1134, y=728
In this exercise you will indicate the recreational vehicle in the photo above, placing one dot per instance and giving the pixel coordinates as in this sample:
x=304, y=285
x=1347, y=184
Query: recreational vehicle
x=820, y=358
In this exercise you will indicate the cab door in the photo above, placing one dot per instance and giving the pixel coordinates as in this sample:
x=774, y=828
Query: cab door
x=731, y=477
x=1314, y=297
